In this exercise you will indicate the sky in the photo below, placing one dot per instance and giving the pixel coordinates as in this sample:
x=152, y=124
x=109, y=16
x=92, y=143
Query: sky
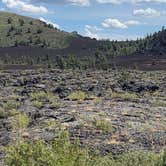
x=100, y=19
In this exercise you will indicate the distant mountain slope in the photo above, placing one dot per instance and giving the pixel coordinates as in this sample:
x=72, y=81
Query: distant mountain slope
x=30, y=42
x=19, y=30
x=16, y=30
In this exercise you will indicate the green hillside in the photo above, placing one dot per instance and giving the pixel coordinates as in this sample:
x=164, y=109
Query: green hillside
x=16, y=30
x=73, y=50
x=155, y=43
x=19, y=30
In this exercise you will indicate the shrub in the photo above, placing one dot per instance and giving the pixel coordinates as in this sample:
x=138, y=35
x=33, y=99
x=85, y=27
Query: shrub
x=124, y=96
x=39, y=31
x=78, y=95
x=42, y=96
x=21, y=21
x=37, y=104
x=31, y=22
x=159, y=103
x=9, y=20
x=12, y=104
x=38, y=96
x=142, y=159
x=20, y=121
x=3, y=113
x=18, y=32
x=125, y=75
x=102, y=124
x=62, y=152
x=51, y=125
x=11, y=29
x=29, y=30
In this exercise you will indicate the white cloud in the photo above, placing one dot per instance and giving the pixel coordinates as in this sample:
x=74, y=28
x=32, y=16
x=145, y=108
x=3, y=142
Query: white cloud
x=132, y=23
x=108, y=36
x=24, y=6
x=79, y=2
x=49, y=22
x=149, y=12
x=130, y=1
x=110, y=1
x=115, y=23
x=92, y=31
x=71, y=2
x=155, y=1
x=120, y=37
x=87, y=2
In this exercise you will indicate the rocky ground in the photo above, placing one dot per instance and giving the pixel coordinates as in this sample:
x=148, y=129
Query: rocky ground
x=112, y=111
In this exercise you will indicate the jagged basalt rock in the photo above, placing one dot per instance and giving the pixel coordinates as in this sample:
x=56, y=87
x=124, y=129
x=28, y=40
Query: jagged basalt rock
x=138, y=87
x=104, y=120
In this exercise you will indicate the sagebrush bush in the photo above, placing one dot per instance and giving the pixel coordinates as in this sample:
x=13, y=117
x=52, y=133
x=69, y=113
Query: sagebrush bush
x=38, y=96
x=102, y=124
x=3, y=113
x=78, y=95
x=62, y=152
x=20, y=121
x=124, y=96
x=37, y=104
x=12, y=104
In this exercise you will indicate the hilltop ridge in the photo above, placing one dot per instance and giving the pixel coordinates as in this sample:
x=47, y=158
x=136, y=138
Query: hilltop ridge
x=20, y=30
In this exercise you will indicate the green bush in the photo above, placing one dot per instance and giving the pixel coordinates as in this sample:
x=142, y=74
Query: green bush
x=37, y=104
x=159, y=103
x=78, y=95
x=124, y=96
x=7, y=113
x=3, y=113
x=142, y=159
x=103, y=124
x=12, y=104
x=20, y=121
x=38, y=96
x=62, y=152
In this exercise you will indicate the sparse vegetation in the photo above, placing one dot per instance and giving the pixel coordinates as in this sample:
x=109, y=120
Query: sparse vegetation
x=3, y=113
x=12, y=104
x=39, y=96
x=103, y=124
x=63, y=153
x=52, y=125
x=109, y=110
x=159, y=103
x=124, y=96
x=37, y=104
x=20, y=121
x=78, y=95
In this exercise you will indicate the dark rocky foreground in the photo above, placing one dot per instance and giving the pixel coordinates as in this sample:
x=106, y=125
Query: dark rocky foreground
x=112, y=111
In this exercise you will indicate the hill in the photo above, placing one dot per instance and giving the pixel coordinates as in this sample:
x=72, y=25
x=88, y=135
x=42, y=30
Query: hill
x=16, y=30
x=19, y=30
x=27, y=42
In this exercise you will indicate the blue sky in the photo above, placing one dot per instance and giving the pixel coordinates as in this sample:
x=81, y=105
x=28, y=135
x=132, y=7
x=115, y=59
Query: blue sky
x=101, y=19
